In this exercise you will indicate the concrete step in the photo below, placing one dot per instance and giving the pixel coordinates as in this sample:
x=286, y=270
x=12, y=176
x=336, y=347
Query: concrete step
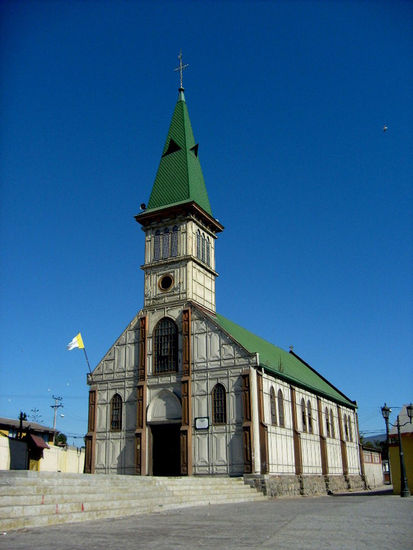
x=31, y=499
x=22, y=497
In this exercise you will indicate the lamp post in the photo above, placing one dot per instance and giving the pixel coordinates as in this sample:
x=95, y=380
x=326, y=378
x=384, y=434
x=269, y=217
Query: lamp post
x=385, y=411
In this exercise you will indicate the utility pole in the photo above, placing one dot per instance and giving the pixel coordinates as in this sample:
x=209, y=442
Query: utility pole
x=57, y=404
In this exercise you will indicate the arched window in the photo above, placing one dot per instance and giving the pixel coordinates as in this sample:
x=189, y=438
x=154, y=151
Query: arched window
x=208, y=251
x=198, y=244
x=303, y=415
x=165, y=243
x=219, y=407
x=333, y=432
x=309, y=417
x=203, y=248
x=273, y=408
x=157, y=245
x=281, y=418
x=116, y=413
x=345, y=427
x=165, y=346
x=350, y=431
x=328, y=432
x=174, y=244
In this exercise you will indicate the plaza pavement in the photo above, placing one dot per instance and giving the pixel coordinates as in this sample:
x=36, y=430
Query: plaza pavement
x=371, y=520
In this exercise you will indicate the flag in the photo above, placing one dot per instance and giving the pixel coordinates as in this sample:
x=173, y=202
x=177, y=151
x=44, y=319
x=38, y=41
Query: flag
x=77, y=342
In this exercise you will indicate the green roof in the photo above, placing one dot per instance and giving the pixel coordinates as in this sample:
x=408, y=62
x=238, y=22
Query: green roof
x=281, y=363
x=179, y=177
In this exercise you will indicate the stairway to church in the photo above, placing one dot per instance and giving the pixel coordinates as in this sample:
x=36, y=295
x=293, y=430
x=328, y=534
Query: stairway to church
x=35, y=499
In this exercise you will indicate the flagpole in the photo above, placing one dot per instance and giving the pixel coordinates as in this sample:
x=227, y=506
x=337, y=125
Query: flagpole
x=87, y=360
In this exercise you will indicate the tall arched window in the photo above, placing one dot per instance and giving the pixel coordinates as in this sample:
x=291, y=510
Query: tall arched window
x=157, y=245
x=281, y=418
x=165, y=243
x=303, y=415
x=273, y=408
x=219, y=406
x=198, y=244
x=333, y=431
x=203, y=248
x=345, y=427
x=350, y=431
x=328, y=432
x=208, y=251
x=309, y=417
x=165, y=346
x=174, y=243
x=116, y=413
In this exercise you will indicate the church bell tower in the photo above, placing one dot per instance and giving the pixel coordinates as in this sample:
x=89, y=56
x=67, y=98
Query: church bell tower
x=179, y=226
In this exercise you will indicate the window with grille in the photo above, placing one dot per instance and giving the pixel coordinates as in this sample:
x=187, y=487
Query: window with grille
x=157, y=245
x=273, y=407
x=328, y=432
x=174, y=243
x=165, y=243
x=333, y=433
x=303, y=415
x=166, y=346
x=219, y=409
x=281, y=418
x=198, y=244
x=309, y=417
x=116, y=413
x=208, y=251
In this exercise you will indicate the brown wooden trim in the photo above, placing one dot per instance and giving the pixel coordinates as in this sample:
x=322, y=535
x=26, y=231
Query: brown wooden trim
x=140, y=433
x=247, y=425
x=323, y=443
x=143, y=330
x=90, y=448
x=186, y=396
x=263, y=427
x=296, y=434
x=186, y=342
x=342, y=443
x=187, y=208
x=90, y=439
x=361, y=453
x=91, y=427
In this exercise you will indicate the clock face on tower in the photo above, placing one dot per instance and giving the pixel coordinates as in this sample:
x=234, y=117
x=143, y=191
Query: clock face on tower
x=166, y=282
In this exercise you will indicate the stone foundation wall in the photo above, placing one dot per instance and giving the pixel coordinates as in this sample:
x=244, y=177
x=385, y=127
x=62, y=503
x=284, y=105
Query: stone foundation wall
x=313, y=485
x=279, y=486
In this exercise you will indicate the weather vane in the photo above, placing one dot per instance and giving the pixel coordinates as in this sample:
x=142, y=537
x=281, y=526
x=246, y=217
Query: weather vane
x=181, y=68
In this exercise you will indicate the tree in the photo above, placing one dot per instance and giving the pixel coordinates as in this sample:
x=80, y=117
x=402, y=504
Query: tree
x=61, y=440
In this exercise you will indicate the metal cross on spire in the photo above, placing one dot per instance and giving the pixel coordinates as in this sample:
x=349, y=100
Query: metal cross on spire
x=181, y=69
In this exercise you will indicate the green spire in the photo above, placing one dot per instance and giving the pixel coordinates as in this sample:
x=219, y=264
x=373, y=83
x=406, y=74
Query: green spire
x=179, y=177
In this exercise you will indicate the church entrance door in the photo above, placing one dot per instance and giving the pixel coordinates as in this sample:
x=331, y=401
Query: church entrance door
x=166, y=450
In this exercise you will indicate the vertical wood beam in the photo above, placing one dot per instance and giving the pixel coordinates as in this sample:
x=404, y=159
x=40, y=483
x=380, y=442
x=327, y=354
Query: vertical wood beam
x=323, y=443
x=143, y=329
x=141, y=397
x=360, y=446
x=90, y=439
x=186, y=393
x=296, y=434
x=263, y=427
x=343, y=446
x=246, y=424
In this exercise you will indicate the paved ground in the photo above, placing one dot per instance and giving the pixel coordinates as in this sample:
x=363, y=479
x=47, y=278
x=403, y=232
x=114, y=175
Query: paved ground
x=354, y=522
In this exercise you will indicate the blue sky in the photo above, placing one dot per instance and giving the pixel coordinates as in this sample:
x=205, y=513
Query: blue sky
x=288, y=101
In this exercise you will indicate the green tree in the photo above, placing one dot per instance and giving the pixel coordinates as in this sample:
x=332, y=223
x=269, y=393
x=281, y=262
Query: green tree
x=61, y=440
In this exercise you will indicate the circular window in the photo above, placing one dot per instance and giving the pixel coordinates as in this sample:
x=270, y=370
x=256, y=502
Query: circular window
x=166, y=282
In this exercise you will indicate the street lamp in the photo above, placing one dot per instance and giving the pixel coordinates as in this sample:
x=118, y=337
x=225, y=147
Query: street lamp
x=385, y=411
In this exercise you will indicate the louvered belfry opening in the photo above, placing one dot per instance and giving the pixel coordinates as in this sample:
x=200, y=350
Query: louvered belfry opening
x=166, y=346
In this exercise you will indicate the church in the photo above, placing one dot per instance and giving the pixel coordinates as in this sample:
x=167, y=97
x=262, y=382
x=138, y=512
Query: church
x=184, y=391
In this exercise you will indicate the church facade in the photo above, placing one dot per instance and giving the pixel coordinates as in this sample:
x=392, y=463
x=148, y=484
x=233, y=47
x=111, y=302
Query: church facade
x=185, y=391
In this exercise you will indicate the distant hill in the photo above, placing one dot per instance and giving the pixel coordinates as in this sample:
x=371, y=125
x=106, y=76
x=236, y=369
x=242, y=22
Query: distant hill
x=373, y=438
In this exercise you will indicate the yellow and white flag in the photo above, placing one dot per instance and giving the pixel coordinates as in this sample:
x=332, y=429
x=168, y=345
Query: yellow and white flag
x=77, y=342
